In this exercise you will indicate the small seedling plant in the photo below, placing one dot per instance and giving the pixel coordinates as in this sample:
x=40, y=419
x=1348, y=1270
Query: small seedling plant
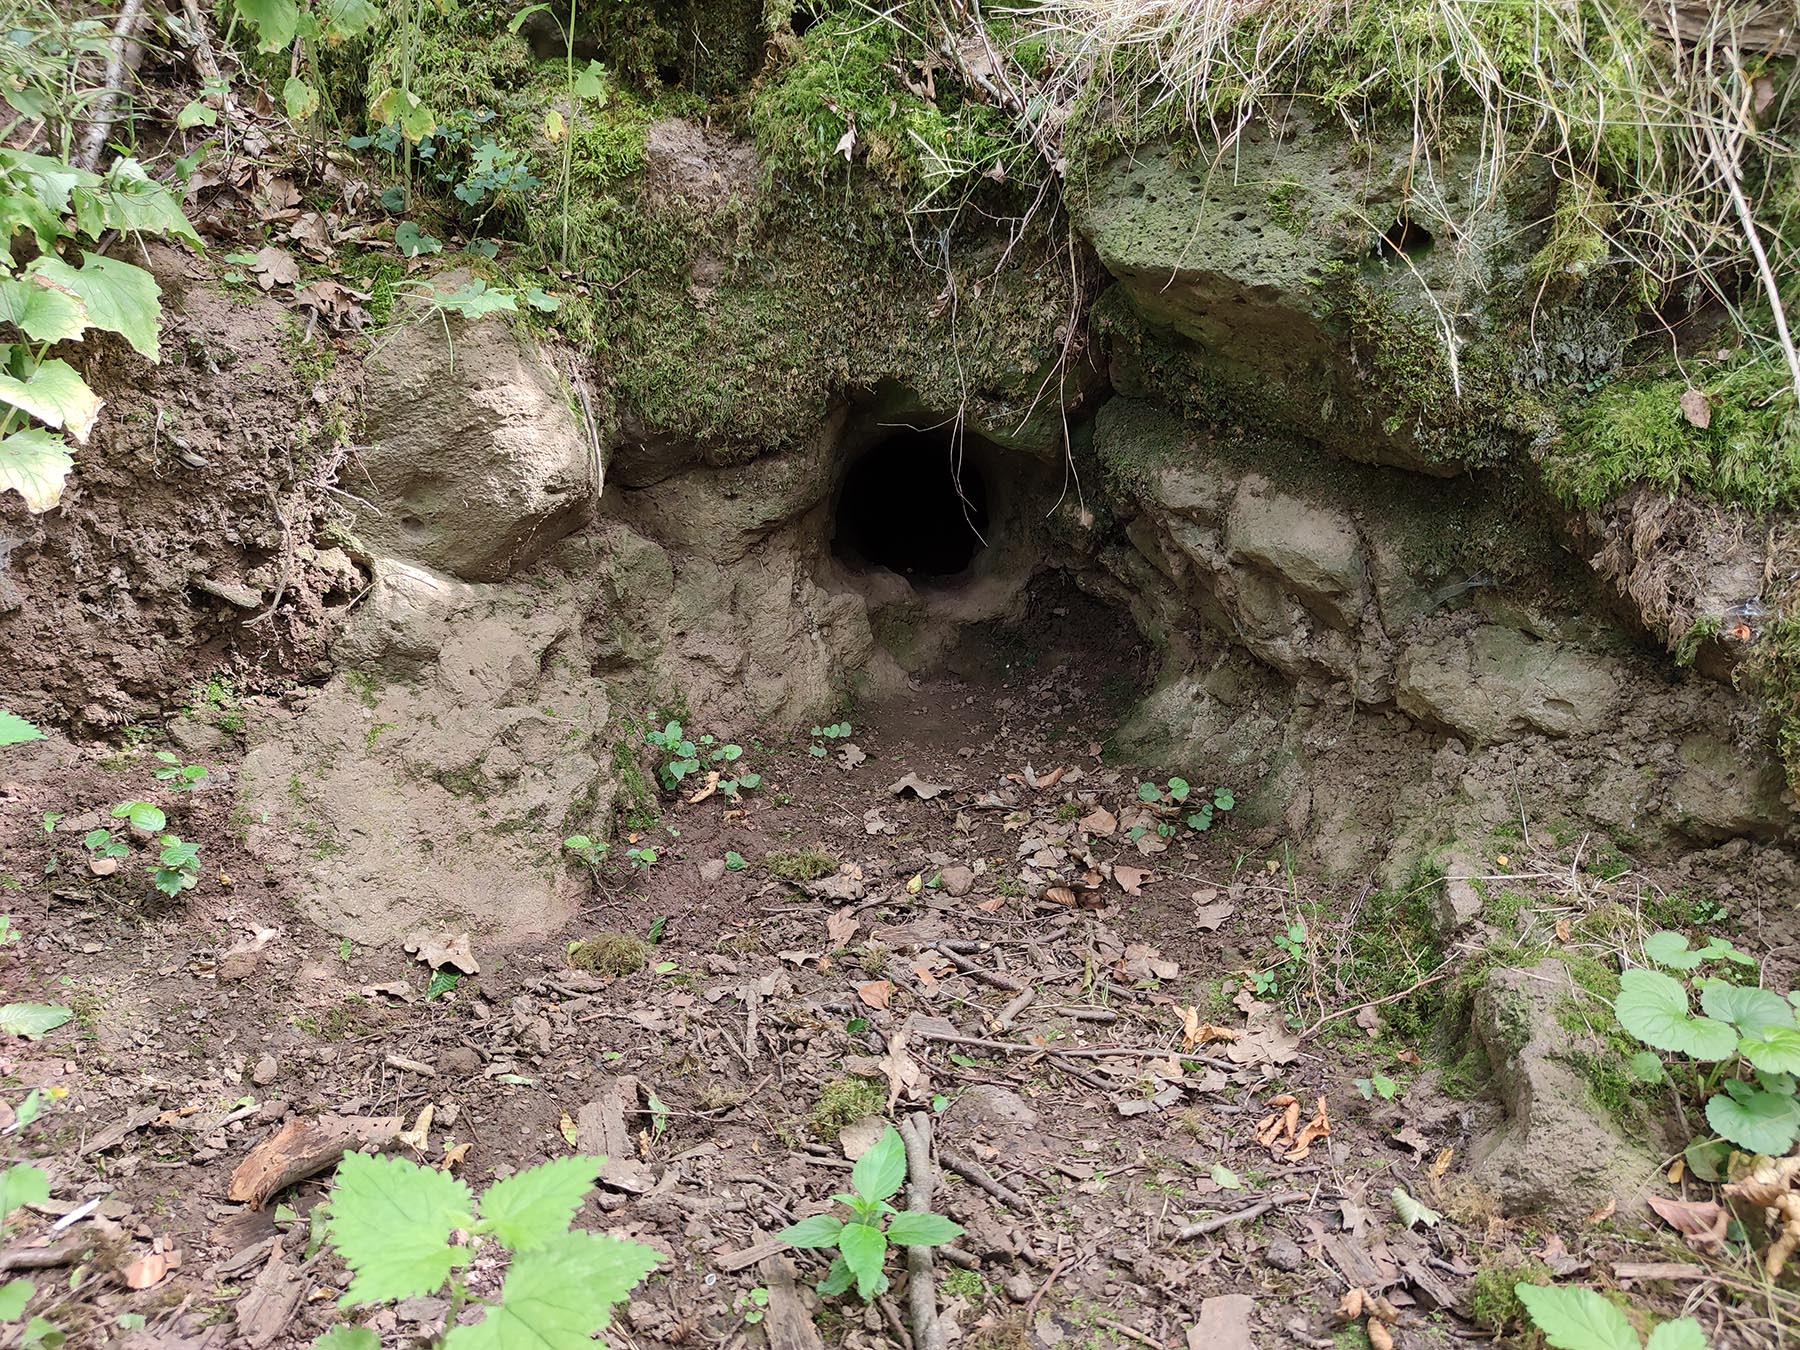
x=1573, y=1318
x=837, y=731
x=20, y=1185
x=408, y=1231
x=1740, y=1055
x=862, y=1242
x=177, y=866
x=1179, y=794
x=682, y=757
x=172, y=771
x=590, y=850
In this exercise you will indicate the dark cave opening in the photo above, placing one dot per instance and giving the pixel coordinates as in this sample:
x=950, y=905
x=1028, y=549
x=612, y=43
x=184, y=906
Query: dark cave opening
x=1405, y=238
x=915, y=503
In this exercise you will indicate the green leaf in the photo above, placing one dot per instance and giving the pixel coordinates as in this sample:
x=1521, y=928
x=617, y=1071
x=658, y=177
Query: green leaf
x=14, y=1295
x=194, y=113
x=535, y=1207
x=1754, y=1120
x=348, y=1338
x=1576, y=1319
x=1413, y=1212
x=1746, y=1008
x=275, y=22
x=1224, y=1177
x=120, y=297
x=15, y=730
x=1148, y=792
x=299, y=98
x=40, y=310
x=819, y=1231
x=837, y=1279
x=391, y=1221
x=879, y=1172
x=22, y=1184
x=346, y=19
x=473, y=301
x=1773, y=1049
x=42, y=1334
x=34, y=463
x=412, y=241
x=865, y=1252
x=1654, y=1008
x=1647, y=1067
x=33, y=1020
x=591, y=84
x=56, y=395
x=130, y=199
x=556, y=1298
x=518, y=20
x=1178, y=789
x=1684, y=1333
x=143, y=815
x=1671, y=950
x=916, y=1228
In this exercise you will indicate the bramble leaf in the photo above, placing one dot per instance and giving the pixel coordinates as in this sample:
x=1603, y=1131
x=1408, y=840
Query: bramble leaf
x=1684, y=1333
x=22, y=1184
x=32, y=1020
x=15, y=730
x=1754, y=1120
x=391, y=1221
x=865, y=1251
x=916, y=1228
x=819, y=1231
x=557, y=1297
x=33, y=463
x=879, y=1172
x=535, y=1207
x=1654, y=1008
x=1576, y=1319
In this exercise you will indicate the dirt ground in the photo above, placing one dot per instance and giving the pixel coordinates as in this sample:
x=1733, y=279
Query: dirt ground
x=1099, y=1070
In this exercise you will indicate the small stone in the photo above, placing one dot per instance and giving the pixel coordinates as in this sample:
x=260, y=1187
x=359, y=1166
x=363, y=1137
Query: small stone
x=712, y=870
x=1018, y=1287
x=234, y=966
x=459, y=1062
x=1285, y=1254
x=993, y=1107
x=267, y=1070
x=957, y=881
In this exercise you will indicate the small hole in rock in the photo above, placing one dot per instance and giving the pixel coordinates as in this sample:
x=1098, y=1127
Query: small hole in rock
x=805, y=16
x=909, y=505
x=1404, y=238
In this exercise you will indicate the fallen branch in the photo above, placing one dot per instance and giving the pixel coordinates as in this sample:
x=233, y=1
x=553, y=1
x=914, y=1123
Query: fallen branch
x=921, y=1288
x=93, y=145
x=970, y=1170
x=1071, y=1051
x=1256, y=1211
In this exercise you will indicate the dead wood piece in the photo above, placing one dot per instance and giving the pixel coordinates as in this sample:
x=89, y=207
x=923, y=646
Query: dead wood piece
x=43, y=1258
x=118, y=47
x=602, y=1128
x=303, y=1147
x=1656, y=1270
x=970, y=1170
x=268, y=1308
x=980, y=971
x=119, y=1131
x=732, y=1262
x=1256, y=1211
x=921, y=1289
x=787, y=1323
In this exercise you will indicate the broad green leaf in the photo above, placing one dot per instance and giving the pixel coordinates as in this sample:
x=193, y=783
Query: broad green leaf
x=348, y=1338
x=120, y=297
x=535, y=1207
x=819, y=1231
x=1684, y=1333
x=40, y=310
x=518, y=20
x=1708, y=1159
x=22, y=1184
x=412, y=241
x=1671, y=950
x=591, y=83
x=1756, y=1121
x=275, y=22
x=196, y=114
x=32, y=1020
x=143, y=815
x=34, y=463
x=473, y=301
x=130, y=199
x=837, y=1279
x=299, y=98
x=558, y=1297
x=1413, y=1212
x=345, y=19
x=14, y=1295
x=1647, y=1067
x=1746, y=1008
x=879, y=1172
x=42, y=1334
x=1224, y=1177
x=1773, y=1049
x=865, y=1252
x=1654, y=1008
x=56, y=395
x=914, y=1228
x=15, y=730
x=1576, y=1319
x=391, y=1221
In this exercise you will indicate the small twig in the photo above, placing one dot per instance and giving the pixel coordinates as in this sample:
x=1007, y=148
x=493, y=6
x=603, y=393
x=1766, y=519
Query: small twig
x=93, y=145
x=970, y=1170
x=1071, y=1052
x=1256, y=1211
x=1011, y=1011
x=43, y=1258
x=1130, y=1333
x=980, y=971
x=921, y=1288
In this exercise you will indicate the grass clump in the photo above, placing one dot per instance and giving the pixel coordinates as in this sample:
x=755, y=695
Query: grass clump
x=842, y=1102
x=1494, y=1305
x=807, y=864
x=614, y=954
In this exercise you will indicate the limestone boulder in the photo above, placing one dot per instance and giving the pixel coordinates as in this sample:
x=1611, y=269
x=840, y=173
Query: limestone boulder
x=1721, y=790
x=1496, y=684
x=1312, y=549
x=477, y=461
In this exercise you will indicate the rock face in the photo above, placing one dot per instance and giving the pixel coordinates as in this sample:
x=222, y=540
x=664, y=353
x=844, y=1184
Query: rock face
x=1556, y=1152
x=1497, y=683
x=477, y=460
x=431, y=781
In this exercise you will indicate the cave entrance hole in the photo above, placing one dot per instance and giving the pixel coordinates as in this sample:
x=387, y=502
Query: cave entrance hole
x=915, y=503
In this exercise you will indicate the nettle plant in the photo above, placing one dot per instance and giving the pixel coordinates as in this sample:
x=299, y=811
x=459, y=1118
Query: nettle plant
x=682, y=757
x=177, y=861
x=408, y=1231
x=862, y=1242
x=53, y=292
x=1741, y=1054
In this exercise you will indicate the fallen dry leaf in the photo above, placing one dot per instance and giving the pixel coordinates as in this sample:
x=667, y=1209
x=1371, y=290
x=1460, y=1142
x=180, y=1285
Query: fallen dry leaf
x=1701, y=1222
x=1131, y=879
x=149, y=1270
x=918, y=787
x=445, y=950
x=840, y=926
x=1100, y=821
x=876, y=993
x=418, y=1138
x=710, y=786
x=454, y=1156
x=1696, y=407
